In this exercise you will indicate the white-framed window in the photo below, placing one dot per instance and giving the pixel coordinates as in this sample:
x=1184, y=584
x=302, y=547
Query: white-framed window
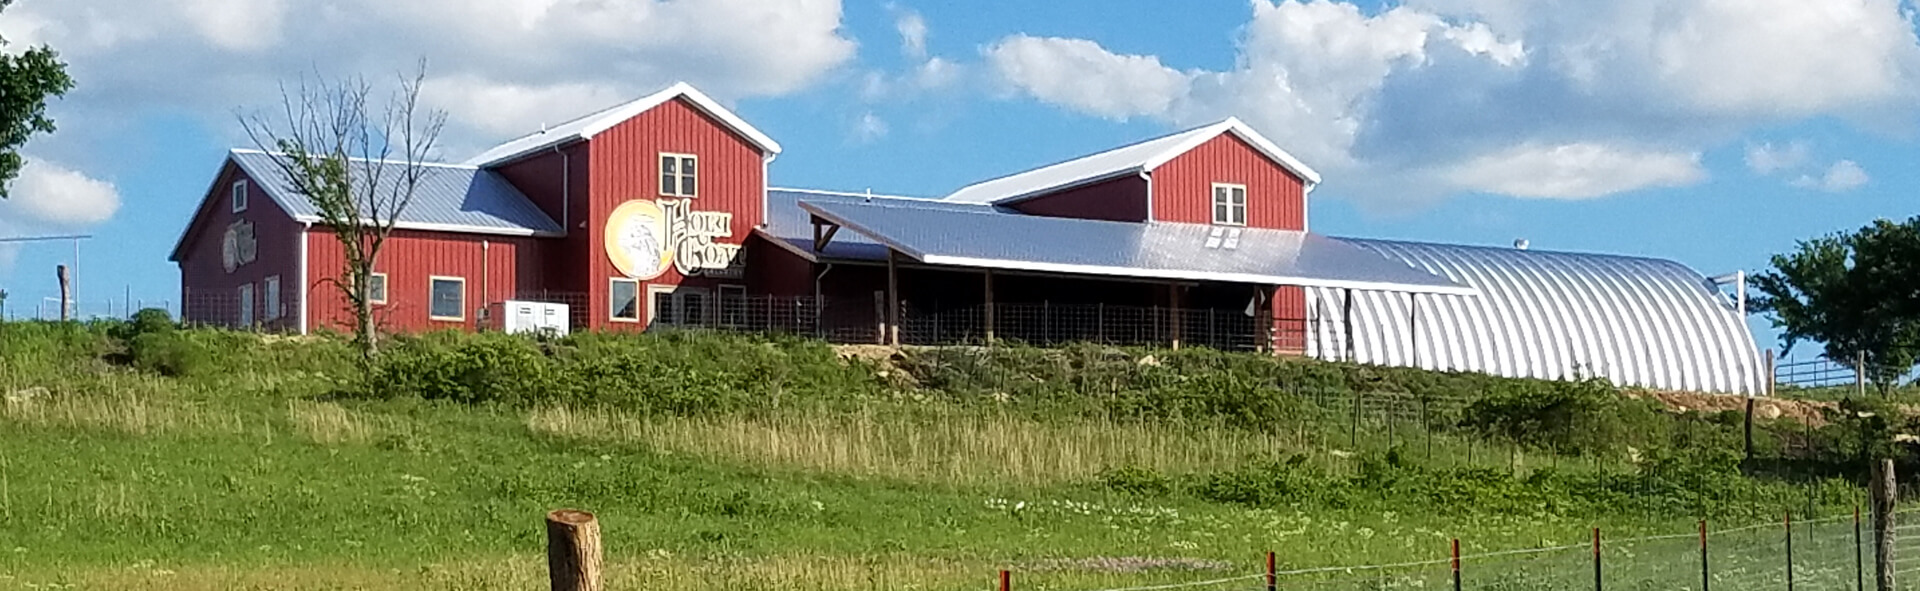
x=1229, y=204
x=240, y=195
x=733, y=305
x=679, y=175
x=678, y=306
x=246, y=305
x=272, y=287
x=624, y=300
x=376, y=288
x=447, y=298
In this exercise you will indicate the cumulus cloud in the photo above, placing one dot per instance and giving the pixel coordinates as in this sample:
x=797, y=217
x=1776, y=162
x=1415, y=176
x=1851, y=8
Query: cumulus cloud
x=1577, y=171
x=1767, y=158
x=913, y=33
x=499, y=66
x=1431, y=96
x=869, y=127
x=1083, y=75
x=52, y=196
x=1845, y=175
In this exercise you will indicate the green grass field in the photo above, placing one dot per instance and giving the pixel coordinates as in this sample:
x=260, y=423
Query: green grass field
x=251, y=470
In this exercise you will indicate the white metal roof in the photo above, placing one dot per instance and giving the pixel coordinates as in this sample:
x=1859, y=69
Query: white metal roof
x=1138, y=158
x=586, y=127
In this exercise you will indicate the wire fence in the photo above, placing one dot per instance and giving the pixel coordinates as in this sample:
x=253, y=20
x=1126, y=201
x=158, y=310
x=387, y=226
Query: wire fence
x=1834, y=553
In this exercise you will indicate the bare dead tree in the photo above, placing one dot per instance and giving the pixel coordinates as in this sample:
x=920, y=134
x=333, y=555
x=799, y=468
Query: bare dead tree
x=358, y=167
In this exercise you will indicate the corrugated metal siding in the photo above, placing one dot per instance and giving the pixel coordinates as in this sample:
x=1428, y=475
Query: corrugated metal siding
x=1122, y=200
x=410, y=259
x=1635, y=321
x=211, y=294
x=1183, y=187
x=625, y=166
x=1290, y=319
x=539, y=178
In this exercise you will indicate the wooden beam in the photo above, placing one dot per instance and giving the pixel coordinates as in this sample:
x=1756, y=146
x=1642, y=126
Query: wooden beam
x=893, y=298
x=988, y=312
x=823, y=232
x=1173, y=303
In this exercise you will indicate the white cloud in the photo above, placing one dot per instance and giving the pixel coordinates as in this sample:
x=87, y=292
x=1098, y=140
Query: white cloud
x=1767, y=158
x=543, y=59
x=1845, y=175
x=1080, y=74
x=1423, y=98
x=48, y=195
x=913, y=33
x=1577, y=171
x=869, y=128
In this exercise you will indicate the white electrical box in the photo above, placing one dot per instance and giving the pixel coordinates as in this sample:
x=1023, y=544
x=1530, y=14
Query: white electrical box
x=518, y=317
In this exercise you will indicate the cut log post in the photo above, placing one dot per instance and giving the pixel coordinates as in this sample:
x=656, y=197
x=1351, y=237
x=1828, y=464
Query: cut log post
x=573, y=550
x=66, y=292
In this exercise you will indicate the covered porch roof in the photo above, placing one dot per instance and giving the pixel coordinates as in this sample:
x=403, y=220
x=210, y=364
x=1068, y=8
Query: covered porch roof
x=988, y=238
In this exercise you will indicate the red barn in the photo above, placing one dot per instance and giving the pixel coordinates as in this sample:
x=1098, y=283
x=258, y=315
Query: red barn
x=658, y=213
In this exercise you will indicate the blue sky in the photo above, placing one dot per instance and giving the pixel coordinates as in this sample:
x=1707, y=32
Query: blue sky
x=1712, y=132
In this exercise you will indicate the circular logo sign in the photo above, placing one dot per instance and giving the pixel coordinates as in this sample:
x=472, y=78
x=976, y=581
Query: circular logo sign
x=637, y=240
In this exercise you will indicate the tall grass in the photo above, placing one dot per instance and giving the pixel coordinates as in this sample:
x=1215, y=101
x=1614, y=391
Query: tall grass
x=950, y=446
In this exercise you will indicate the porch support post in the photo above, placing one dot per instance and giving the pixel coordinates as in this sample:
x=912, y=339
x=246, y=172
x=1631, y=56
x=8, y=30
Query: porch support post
x=1174, y=320
x=1413, y=329
x=1346, y=316
x=893, y=297
x=988, y=311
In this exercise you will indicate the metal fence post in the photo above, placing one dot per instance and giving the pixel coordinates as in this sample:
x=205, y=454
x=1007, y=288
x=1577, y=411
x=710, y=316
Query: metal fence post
x=1006, y=581
x=1859, y=554
x=1596, y=559
x=1789, y=551
x=1705, y=579
x=1456, y=564
x=1273, y=577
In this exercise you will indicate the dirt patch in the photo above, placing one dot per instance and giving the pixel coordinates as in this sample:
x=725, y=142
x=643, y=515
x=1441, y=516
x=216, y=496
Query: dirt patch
x=882, y=354
x=1801, y=411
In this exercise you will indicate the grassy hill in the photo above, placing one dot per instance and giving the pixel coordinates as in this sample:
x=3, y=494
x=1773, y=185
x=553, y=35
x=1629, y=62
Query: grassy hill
x=139, y=456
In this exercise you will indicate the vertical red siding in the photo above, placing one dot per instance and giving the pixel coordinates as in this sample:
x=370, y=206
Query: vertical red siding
x=1122, y=200
x=410, y=259
x=626, y=166
x=1183, y=187
x=551, y=179
x=1290, y=320
x=774, y=270
x=209, y=294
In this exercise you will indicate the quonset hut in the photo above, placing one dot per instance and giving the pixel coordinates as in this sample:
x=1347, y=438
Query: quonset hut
x=658, y=213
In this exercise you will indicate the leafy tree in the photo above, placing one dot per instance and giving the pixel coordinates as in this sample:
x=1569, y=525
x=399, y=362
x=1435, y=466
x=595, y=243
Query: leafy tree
x=1855, y=293
x=27, y=80
x=358, y=164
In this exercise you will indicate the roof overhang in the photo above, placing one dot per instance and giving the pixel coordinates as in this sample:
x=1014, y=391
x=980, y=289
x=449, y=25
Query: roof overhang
x=587, y=127
x=1270, y=257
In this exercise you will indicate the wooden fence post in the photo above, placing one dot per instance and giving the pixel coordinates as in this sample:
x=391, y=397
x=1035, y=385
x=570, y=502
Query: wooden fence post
x=573, y=550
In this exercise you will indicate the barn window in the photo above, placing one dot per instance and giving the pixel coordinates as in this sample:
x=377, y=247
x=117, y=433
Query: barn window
x=447, y=298
x=673, y=306
x=625, y=300
x=240, y=195
x=1229, y=204
x=272, y=287
x=246, y=305
x=377, y=288
x=679, y=175
x=733, y=305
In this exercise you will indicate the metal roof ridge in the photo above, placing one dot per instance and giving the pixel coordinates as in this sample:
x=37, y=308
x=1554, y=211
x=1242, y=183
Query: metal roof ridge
x=452, y=165
x=848, y=194
x=1509, y=249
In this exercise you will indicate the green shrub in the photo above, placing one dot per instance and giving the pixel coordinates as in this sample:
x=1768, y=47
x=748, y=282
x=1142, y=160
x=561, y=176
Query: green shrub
x=1587, y=418
x=1136, y=481
x=485, y=368
x=170, y=353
